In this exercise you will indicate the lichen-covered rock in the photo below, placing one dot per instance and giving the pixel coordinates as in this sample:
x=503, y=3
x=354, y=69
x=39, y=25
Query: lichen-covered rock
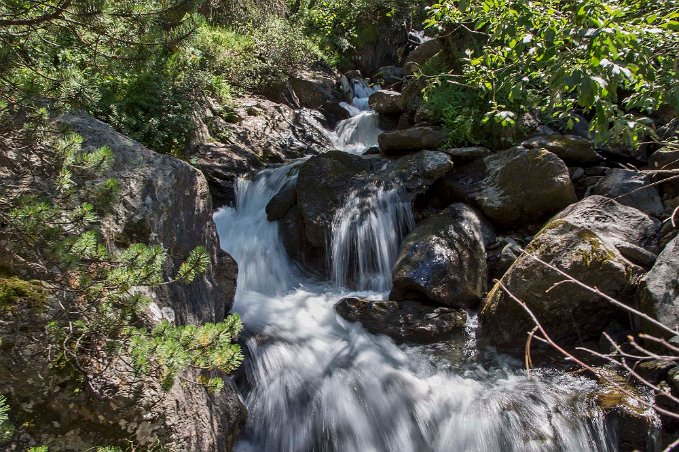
x=571, y=149
x=443, y=260
x=632, y=188
x=162, y=201
x=413, y=139
x=513, y=187
x=404, y=321
x=385, y=102
x=659, y=291
x=584, y=241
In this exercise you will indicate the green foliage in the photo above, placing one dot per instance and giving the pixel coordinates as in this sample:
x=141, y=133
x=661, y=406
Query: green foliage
x=342, y=26
x=6, y=427
x=613, y=60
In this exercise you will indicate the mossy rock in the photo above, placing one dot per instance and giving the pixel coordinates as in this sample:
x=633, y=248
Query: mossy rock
x=15, y=291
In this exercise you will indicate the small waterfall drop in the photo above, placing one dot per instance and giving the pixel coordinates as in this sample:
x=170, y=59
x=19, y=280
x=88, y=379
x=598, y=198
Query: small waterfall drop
x=366, y=234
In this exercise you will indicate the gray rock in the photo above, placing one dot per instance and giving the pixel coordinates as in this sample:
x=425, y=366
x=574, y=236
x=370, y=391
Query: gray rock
x=581, y=241
x=666, y=158
x=468, y=153
x=278, y=134
x=422, y=53
x=404, y=321
x=385, y=102
x=162, y=201
x=390, y=75
x=313, y=89
x=443, y=260
x=659, y=291
x=632, y=188
x=413, y=139
x=512, y=187
x=569, y=148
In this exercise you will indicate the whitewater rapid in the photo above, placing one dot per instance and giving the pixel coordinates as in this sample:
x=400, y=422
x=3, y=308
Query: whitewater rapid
x=316, y=382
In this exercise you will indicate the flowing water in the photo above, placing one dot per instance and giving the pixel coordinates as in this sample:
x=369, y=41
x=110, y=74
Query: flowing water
x=320, y=383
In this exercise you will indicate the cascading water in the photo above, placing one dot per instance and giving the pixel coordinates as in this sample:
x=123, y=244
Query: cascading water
x=366, y=233
x=361, y=130
x=320, y=383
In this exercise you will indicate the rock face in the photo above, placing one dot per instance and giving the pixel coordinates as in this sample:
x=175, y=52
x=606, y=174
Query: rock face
x=162, y=201
x=512, y=187
x=659, y=290
x=413, y=139
x=314, y=89
x=404, y=321
x=443, y=260
x=631, y=188
x=266, y=133
x=385, y=102
x=666, y=159
x=588, y=241
x=569, y=148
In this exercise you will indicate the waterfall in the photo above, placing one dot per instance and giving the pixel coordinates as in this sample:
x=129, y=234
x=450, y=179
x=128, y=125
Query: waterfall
x=316, y=382
x=366, y=233
x=360, y=131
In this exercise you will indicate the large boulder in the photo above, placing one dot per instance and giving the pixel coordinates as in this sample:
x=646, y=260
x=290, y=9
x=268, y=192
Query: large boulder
x=264, y=133
x=404, y=321
x=443, y=260
x=513, y=187
x=162, y=201
x=413, y=139
x=323, y=185
x=314, y=89
x=590, y=241
x=571, y=149
x=385, y=102
x=420, y=55
x=659, y=291
x=632, y=188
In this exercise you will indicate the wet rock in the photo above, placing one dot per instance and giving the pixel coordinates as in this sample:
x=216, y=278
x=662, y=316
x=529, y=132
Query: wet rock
x=282, y=201
x=468, y=153
x=443, y=260
x=569, y=148
x=659, y=291
x=422, y=53
x=513, y=187
x=323, y=185
x=404, y=321
x=632, y=188
x=385, y=102
x=635, y=424
x=655, y=370
x=373, y=150
x=326, y=182
x=414, y=139
x=581, y=241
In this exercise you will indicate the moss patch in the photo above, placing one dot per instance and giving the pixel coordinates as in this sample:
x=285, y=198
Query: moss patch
x=14, y=291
